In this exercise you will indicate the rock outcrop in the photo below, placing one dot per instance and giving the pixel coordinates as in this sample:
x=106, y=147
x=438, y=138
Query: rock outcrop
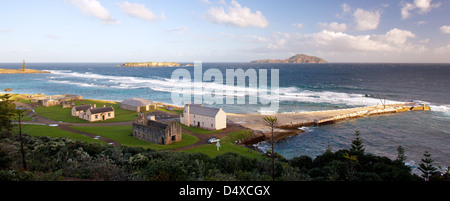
x=296, y=59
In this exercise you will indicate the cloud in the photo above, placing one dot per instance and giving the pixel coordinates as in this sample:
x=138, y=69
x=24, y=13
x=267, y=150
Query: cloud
x=139, y=11
x=366, y=20
x=95, y=9
x=236, y=15
x=393, y=41
x=51, y=36
x=298, y=25
x=334, y=26
x=421, y=6
x=6, y=30
x=445, y=29
x=443, y=50
x=177, y=29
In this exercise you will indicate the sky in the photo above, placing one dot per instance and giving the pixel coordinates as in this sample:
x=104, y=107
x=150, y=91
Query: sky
x=411, y=31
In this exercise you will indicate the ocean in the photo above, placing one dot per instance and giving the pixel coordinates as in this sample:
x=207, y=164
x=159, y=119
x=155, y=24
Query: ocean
x=311, y=87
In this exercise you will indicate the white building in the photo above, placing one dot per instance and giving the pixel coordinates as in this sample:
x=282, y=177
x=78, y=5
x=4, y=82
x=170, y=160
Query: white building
x=197, y=115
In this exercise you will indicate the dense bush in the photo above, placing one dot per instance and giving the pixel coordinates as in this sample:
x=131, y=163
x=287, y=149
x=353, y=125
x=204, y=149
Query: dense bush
x=66, y=159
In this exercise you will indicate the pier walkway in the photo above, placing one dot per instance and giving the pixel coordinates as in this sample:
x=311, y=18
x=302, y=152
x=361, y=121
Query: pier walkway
x=289, y=121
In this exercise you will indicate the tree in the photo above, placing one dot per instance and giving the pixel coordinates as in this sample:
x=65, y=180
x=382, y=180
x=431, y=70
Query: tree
x=357, y=145
x=271, y=122
x=20, y=113
x=401, y=154
x=426, y=167
x=6, y=113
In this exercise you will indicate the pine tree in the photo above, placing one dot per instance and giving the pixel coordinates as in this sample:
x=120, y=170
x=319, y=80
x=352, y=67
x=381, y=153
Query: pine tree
x=401, y=154
x=426, y=167
x=357, y=145
x=271, y=122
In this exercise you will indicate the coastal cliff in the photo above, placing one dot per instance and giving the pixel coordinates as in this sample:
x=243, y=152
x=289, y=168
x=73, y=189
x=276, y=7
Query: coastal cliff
x=154, y=64
x=296, y=59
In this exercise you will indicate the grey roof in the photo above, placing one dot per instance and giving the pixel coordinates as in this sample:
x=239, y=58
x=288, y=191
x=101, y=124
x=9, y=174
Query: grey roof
x=137, y=102
x=98, y=110
x=204, y=111
x=82, y=107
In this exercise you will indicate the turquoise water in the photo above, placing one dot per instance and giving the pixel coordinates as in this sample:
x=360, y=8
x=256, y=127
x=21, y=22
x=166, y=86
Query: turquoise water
x=313, y=87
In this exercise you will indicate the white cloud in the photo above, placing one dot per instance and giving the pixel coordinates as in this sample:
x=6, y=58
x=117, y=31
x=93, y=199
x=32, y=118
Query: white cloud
x=366, y=20
x=445, y=29
x=51, y=36
x=393, y=41
x=6, y=30
x=299, y=25
x=177, y=29
x=139, y=11
x=421, y=6
x=334, y=26
x=443, y=50
x=236, y=15
x=95, y=9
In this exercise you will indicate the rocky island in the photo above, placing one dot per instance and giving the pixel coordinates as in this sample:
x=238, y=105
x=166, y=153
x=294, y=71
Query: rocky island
x=154, y=64
x=296, y=59
x=20, y=71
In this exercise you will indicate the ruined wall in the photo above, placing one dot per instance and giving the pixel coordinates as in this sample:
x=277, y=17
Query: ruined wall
x=157, y=132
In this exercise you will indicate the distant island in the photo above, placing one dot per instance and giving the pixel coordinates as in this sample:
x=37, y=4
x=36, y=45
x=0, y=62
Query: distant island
x=20, y=71
x=296, y=59
x=154, y=64
x=23, y=70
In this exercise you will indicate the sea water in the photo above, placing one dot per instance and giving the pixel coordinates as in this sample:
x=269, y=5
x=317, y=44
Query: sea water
x=311, y=87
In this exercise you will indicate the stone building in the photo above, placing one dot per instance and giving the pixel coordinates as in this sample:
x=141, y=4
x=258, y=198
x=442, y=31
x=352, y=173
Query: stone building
x=91, y=114
x=138, y=105
x=54, y=100
x=156, y=132
x=197, y=115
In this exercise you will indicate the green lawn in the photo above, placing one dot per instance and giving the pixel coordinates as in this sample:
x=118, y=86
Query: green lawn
x=49, y=131
x=122, y=134
x=57, y=113
x=227, y=145
x=211, y=150
x=199, y=130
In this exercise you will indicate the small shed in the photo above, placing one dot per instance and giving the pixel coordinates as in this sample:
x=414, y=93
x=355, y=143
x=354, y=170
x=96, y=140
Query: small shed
x=138, y=105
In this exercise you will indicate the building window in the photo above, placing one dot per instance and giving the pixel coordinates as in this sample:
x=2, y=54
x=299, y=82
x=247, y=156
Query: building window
x=173, y=138
x=109, y=114
x=96, y=116
x=212, y=126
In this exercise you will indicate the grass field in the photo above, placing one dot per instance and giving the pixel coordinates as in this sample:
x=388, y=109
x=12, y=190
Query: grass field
x=227, y=144
x=199, y=130
x=122, y=134
x=55, y=132
x=211, y=150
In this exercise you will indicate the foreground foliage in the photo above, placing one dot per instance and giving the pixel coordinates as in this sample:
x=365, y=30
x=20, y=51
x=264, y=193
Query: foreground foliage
x=65, y=159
